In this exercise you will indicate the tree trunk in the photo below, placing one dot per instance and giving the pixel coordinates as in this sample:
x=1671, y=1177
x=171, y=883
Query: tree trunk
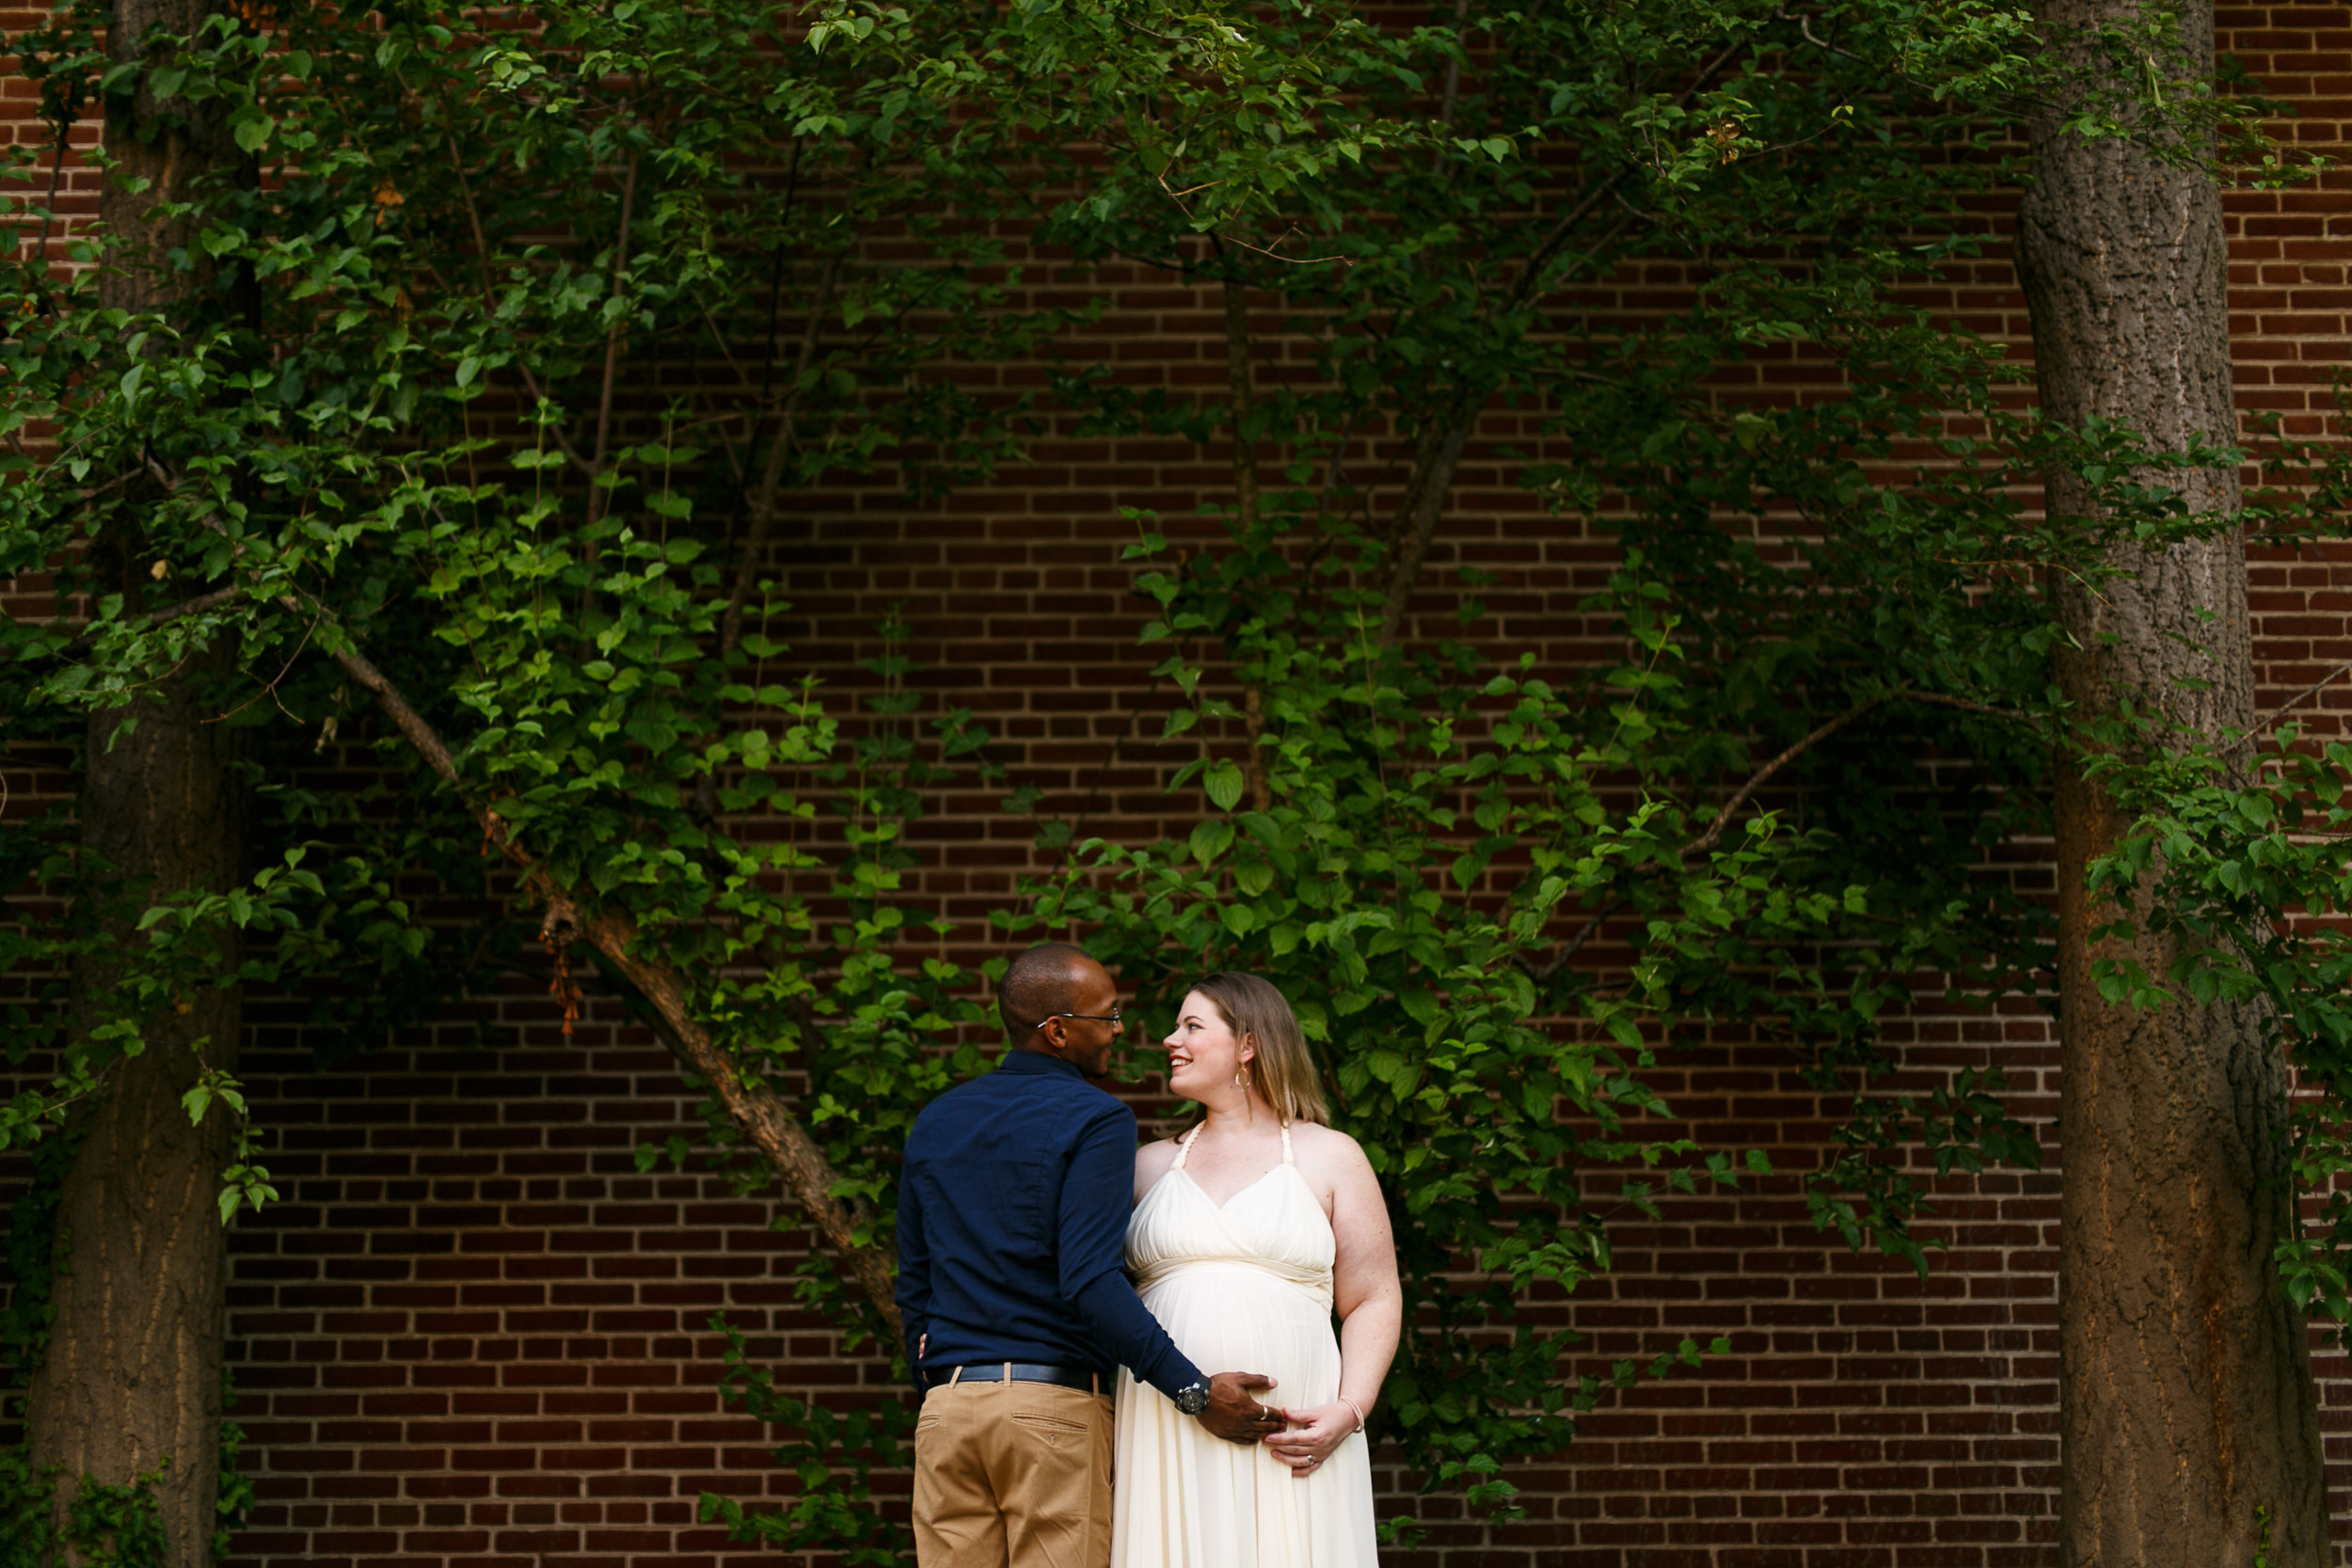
x=2187, y=1413
x=131, y=1386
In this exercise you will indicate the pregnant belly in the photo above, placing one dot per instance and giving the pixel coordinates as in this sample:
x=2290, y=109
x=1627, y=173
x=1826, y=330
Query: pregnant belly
x=1234, y=1317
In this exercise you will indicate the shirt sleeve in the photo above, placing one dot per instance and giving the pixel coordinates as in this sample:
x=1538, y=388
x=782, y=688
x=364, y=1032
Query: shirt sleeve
x=1121, y=1325
x=914, y=1273
x=1096, y=1195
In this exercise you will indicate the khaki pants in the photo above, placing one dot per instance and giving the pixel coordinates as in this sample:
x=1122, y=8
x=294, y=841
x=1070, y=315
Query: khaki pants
x=1012, y=1475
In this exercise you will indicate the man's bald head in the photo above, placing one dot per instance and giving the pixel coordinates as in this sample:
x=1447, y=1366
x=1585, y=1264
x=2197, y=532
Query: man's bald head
x=1043, y=982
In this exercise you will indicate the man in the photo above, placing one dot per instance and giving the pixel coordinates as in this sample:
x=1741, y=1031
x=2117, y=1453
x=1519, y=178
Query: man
x=1012, y=1210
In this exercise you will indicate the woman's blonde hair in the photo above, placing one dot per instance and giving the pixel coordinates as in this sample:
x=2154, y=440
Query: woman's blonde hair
x=1284, y=1070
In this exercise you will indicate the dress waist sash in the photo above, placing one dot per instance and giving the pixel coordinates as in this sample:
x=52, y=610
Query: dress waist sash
x=1315, y=1282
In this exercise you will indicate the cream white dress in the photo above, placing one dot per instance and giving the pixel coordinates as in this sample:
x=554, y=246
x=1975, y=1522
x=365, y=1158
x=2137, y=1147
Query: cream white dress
x=1244, y=1288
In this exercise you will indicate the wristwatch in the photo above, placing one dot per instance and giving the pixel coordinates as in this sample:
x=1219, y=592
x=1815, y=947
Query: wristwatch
x=1193, y=1398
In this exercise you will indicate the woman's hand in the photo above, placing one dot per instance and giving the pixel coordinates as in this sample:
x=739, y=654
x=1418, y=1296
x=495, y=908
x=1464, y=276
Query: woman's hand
x=1311, y=1437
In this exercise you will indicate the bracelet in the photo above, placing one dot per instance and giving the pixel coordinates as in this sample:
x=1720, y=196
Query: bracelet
x=1357, y=1408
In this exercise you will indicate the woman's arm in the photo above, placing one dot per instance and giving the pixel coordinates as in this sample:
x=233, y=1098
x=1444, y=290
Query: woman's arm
x=1364, y=1287
x=1364, y=1293
x=1152, y=1161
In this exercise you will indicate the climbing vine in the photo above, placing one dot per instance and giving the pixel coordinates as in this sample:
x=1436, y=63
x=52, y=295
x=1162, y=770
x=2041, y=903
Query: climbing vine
x=413, y=449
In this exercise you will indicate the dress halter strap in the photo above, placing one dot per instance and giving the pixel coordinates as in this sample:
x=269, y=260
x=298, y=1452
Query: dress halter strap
x=1183, y=1145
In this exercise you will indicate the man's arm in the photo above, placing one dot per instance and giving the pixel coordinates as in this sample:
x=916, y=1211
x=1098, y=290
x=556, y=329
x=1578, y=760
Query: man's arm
x=914, y=1275
x=1108, y=1308
x=1094, y=1209
x=1090, y=1251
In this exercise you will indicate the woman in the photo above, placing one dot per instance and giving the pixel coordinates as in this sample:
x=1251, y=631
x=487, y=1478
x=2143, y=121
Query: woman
x=1250, y=1229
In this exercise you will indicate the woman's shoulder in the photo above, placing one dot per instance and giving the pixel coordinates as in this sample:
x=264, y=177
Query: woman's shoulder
x=1327, y=1146
x=1152, y=1161
x=1157, y=1155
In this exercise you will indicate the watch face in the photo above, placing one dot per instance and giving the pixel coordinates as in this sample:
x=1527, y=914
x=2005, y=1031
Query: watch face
x=1192, y=1401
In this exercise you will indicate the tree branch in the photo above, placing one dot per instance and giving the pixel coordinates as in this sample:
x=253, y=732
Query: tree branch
x=49, y=207
x=1238, y=378
x=197, y=605
x=1246, y=498
x=1585, y=933
x=599, y=490
x=481, y=263
x=1757, y=780
x=763, y=501
x=1452, y=94
x=750, y=1103
x=1936, y=699
x=1425, y=503
x=1524, y=289
x=2263, y=724
x=612, y=352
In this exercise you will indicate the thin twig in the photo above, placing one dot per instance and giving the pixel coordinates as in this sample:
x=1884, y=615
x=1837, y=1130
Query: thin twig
x=1219, y=237
x=1714, y=833
x=1425, y=497
x=270, y=689
x=1237, y=371
x=612, y=346
x=1334, y=468
x=1576, y=944
x=2279, y=712
x=2017, y=100
x=482, y=262
x=1937, y=698
x=1452, y=86
x=1432, y=475
x=577, y=459
x=771, y=476
x=473, y=216
x=601, y=482
x=1605, y=190
x=49, y=207
x=1757, y=780
x=1237, y=379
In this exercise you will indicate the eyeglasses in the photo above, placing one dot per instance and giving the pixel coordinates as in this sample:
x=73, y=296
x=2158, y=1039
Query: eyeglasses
x=1111, y=1016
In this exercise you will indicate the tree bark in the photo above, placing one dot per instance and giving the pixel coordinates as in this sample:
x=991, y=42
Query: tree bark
x=131, y=1386
x=2188, y=1412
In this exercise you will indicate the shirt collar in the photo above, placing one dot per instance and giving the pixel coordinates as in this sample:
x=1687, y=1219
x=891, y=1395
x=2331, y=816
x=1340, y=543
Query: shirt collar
x=1037, y=1061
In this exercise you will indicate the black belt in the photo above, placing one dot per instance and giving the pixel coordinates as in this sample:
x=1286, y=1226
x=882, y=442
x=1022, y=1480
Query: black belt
x=1083, y=1378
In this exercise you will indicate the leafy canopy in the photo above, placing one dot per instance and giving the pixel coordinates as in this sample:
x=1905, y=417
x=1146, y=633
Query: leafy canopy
x=503, y=346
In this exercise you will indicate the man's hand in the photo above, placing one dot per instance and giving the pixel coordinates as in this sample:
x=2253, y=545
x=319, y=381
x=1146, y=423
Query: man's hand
x=1236, y=1416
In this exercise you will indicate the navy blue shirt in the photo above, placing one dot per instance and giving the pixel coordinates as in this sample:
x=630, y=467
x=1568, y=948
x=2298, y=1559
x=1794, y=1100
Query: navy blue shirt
x=1012, y=1214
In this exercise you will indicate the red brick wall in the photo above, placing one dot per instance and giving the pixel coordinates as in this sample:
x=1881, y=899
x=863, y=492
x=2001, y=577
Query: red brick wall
x=472, y=1334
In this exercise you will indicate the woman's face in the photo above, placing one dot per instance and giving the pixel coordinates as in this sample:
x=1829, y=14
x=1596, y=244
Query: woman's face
x=1203, y=1055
